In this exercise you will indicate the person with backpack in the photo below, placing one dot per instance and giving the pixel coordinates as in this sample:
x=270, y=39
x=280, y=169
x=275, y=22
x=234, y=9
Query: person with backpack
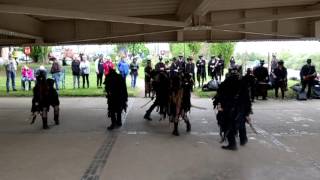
x=55, y=71
x=11, y=69
x=75, y=67
x=84, y=70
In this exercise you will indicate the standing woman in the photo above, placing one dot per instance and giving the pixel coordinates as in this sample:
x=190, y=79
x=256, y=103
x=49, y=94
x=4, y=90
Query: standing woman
x=85, y=70
x=75, y=67
x=99, y=70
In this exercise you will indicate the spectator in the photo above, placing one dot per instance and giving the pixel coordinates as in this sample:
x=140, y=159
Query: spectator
x=107, y=65
x=11, y=68
x=99, y=70
x=123, y=68
x=27, y=76
x=41, y=72
x=75, y=67
x=134, y=68
x=56, y=72
x=84, y=70
x=63, y=73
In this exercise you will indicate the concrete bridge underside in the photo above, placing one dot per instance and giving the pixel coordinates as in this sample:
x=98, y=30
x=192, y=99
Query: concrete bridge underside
x=113, y=21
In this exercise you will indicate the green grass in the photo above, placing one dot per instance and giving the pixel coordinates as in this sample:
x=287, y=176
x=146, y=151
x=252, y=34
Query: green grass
x=94, y=91
x=69, y=91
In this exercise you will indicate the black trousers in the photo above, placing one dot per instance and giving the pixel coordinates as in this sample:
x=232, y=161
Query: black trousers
x=85, y=77
x=235, y=126
x=308, y=83
x=116, y=118
x=154, y=105
x=278, y=85
x=99, y=79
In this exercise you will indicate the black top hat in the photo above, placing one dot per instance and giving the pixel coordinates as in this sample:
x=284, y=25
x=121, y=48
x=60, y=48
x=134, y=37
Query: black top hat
x=309, y=61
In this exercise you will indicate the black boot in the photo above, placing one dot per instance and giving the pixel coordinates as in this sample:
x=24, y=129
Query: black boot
x=230, y=147
x=175, y=130
x=34, y=117
x=147, y=117
x=56, y=119
x=188, y=126
x=45, y=123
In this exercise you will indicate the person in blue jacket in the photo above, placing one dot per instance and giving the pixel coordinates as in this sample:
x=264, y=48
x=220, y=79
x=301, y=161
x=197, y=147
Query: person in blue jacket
x=123, y=68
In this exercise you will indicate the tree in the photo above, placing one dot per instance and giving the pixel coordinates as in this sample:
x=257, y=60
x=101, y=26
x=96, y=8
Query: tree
x=194, y=48
x=225, y=49
x=177, y=49
x=134, y=49
x=185, y=49
x=40, y=53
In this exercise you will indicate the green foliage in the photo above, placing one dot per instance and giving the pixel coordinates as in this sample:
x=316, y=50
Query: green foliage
x=225, y=49
x=40, y=53
x=177, y=49
x=185, y=49
x=194, y=48
x=134, y=48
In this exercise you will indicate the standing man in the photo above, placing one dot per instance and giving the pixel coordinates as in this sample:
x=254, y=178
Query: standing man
x=220, y=67
x=99, y=70
x=201, y=70
x=123, y=68
x=212, y=68
x=181, y=63
x=160, y=66
x=11, y=68
x=307, y=75
x=279, y=75
x=250, y=81
x=134, y=68
x=261, y=74
x=75, y=67
x=232, y=62
x=116, y=92
x=55, y=71
x=147, y=79
x=190, y=67
x=234, y=104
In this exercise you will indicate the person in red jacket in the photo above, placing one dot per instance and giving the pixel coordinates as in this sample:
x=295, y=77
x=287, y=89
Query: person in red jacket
x=107, y=65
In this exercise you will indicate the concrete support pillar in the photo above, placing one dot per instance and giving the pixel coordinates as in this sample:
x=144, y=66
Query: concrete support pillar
x=180, y=36
x=317, y=29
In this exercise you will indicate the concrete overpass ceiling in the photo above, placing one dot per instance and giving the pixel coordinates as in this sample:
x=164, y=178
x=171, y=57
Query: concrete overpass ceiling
x=112, y=21
x=111, y=7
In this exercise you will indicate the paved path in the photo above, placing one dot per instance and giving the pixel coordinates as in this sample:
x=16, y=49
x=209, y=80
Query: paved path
x=287, y=146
